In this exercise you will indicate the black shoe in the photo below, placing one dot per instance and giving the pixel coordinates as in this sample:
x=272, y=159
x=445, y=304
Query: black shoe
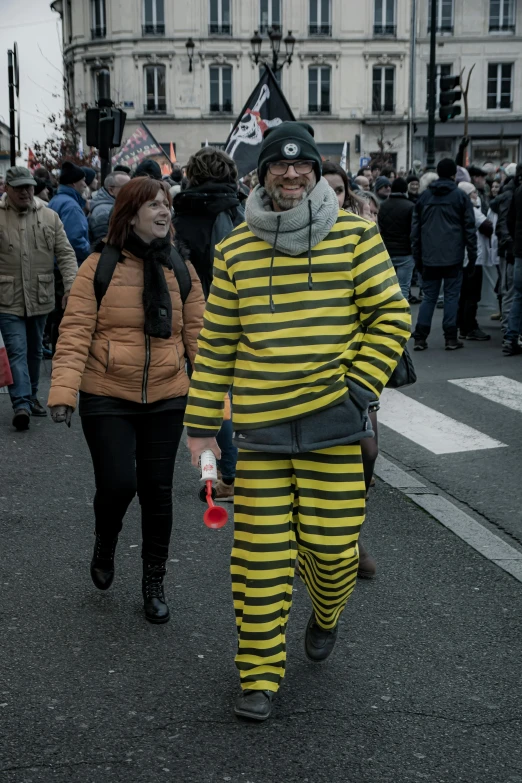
x=476, y=334
x=36, y=408
x=319, y=643
x=414, y=300
x=156, y=609
x=21, y=419
x=509, y=348
x=102, y=563
x=255, y=705
x=47, y=353
x=453, y=345
x=420, y=344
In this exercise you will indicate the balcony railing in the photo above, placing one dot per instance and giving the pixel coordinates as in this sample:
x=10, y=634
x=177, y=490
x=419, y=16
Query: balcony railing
x=445, y=28
x=219, y=29
x=501, y=28
x=383, y=108
x=98, y=32
x=155, y=107
x=319, y=108
x=324, y=30
x=384, y=30
x=221, y=108
x=153, y=29
x=264, y=28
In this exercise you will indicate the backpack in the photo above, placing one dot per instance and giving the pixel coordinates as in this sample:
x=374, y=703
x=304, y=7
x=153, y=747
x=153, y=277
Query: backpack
x=111, y=255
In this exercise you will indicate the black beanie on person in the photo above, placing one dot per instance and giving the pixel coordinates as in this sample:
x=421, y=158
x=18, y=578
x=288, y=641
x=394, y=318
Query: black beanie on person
x=412, y=178
x=90, y=174
x=288, y=141
x=148, y=168
x=70, y=173
x=399, y=185
x=446, y=168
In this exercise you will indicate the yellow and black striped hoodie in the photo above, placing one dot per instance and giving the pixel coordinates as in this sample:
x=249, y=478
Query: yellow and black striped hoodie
x=289, y=360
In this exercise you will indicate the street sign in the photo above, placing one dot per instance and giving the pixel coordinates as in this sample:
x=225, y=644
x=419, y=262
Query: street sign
x=364, y=161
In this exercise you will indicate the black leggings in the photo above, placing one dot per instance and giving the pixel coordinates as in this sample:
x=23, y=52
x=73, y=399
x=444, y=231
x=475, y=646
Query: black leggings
x=135, y=454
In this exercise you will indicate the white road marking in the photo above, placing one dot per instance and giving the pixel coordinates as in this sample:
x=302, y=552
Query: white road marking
x=496, y=388
x=482, y=540
x=432, y=430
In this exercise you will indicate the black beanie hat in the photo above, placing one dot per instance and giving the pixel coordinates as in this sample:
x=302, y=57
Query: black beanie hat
x=71, y=173
x=90, y=174
x=446, y=168
x=288, y=141
x=41, y=184
x=412, y=178
x=399, y=185
x=148, y=168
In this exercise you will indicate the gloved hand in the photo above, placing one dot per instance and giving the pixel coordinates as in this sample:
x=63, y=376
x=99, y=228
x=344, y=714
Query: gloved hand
x=471, y=269
x=61, y=413
x=464, y=142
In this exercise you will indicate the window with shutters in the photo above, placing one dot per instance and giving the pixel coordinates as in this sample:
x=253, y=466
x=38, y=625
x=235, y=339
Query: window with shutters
x=220, y=19
x=320, y=18
x=384, y=18
x=269, y=15
x=319, y=90
x=502, y=16
x=221, y=89
x=383, y=90
x=155, y=89
x=500, y=86
x=153, y=17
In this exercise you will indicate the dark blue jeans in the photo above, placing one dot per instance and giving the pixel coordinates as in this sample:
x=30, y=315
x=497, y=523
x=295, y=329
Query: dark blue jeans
x=227, y=463
x=515, y=314
x=23, y=342
x=431, y=288
x=404, y=267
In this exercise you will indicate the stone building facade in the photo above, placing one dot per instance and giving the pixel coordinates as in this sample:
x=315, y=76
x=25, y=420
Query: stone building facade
x=350, y=75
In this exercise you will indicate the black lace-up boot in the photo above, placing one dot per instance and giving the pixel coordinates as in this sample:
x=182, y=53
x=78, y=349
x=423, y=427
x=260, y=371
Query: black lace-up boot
x=156, y=609
x=102, y=563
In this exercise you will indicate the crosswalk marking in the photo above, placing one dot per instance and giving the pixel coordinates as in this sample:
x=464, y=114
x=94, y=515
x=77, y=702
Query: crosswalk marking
x=496, y=388
x=432, y=430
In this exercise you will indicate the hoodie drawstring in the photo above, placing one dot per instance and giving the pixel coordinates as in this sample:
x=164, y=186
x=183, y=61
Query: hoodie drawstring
x=272, y=305
x=310, y=279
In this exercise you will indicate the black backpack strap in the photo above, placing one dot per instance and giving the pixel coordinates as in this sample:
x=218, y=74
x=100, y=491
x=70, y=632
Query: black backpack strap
x=182, y=274
x=109, y=257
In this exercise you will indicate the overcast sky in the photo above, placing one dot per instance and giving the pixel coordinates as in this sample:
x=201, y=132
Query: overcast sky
x=37, y=31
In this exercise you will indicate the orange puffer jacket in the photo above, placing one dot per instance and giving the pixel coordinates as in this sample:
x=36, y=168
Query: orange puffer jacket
x=106, y=352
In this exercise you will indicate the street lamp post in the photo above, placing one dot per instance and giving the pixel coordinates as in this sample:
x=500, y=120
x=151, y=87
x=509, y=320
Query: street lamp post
x=276, y=37
x=190, y=51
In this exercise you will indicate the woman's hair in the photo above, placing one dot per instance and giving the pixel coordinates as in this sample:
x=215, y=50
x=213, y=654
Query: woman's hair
x=211, y=165
x=426, y=180
x=131, y=197
x=351, y=201
x=367, y=195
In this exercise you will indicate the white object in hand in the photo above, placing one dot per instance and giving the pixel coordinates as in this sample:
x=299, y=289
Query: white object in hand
x=208, y=466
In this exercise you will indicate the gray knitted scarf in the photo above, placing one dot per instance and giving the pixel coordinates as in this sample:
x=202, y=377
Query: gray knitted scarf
x=298, y=229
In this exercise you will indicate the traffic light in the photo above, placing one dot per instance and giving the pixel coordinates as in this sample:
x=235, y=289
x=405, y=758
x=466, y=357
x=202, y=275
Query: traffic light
x=448, y=97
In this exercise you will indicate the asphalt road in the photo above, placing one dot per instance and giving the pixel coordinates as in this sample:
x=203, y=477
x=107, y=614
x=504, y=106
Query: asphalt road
x=424, y=683
x=486, y=481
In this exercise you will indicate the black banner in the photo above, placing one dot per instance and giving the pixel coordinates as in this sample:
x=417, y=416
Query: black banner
x=139, y=146
x=266, y=108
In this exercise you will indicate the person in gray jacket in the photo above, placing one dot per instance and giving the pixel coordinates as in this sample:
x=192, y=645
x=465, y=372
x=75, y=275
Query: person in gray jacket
x=102, y=205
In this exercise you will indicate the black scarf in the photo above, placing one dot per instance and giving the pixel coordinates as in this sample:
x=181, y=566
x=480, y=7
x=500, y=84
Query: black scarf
x=157, y=303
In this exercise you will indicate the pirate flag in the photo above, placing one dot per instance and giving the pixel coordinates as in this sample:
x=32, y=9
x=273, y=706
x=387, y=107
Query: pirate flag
x=139, y=146
x=266, y=108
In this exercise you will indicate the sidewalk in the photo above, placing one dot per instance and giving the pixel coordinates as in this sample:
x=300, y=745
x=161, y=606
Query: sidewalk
x=424, y=683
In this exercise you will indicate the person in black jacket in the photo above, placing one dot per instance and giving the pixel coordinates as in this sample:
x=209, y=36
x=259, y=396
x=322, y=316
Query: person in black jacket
x=443, y=228
x=511, y=345
x=395, y=216
x=506, y=260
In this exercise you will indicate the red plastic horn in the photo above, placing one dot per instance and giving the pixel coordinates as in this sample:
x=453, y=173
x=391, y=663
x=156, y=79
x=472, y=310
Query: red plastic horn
x=215, y=516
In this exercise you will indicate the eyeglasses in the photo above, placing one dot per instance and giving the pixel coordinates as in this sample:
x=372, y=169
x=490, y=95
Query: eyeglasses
x=280, y=167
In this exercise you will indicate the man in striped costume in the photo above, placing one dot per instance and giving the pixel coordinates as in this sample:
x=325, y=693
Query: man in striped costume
x=306, y=321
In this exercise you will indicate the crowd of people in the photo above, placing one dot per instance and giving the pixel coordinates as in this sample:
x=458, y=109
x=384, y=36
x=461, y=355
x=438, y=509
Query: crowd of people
x=265, y=315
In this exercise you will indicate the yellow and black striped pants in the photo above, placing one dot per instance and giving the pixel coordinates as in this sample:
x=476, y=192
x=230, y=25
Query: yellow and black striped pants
x=307, y=504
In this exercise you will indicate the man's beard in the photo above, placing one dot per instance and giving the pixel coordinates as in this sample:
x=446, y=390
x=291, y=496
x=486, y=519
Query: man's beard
x=289, y=202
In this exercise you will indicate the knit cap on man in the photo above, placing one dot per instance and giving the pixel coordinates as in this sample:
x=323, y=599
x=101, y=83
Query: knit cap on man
x=71, y=173
x=289, y=141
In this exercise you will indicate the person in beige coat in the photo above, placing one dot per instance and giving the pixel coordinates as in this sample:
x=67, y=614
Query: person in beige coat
x=31, y=237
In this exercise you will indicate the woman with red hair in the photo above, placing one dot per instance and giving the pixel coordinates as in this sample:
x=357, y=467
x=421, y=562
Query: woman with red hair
x=123, y=345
